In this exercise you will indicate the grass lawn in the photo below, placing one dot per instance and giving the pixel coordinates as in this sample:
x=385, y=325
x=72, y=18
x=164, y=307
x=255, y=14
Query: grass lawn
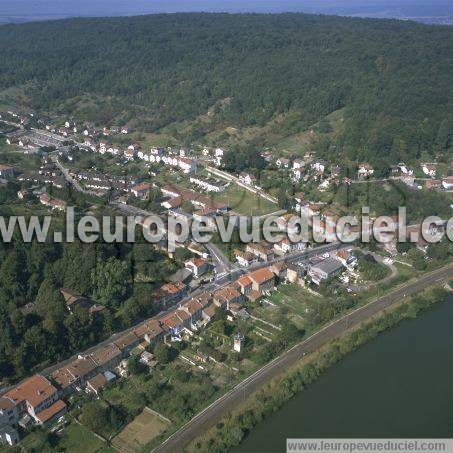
x=244, y=202
x=144, y=428
x=75, y=438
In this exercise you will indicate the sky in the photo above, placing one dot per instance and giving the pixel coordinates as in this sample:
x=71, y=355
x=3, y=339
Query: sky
x=35, y=9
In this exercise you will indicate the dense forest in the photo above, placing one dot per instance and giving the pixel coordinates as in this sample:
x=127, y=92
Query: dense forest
x=393, y=79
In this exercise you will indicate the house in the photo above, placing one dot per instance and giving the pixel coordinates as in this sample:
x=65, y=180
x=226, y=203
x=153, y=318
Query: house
x=9, y=412
x=447, y=183
x=37, y=397
x=298, y=164
x=74, y=375
x=247, y=178
x=245, y=259
x=244, y=284
x=294, y=273
x=283, y=162
x=325, y=269
x=186, y=164
x=129, y=154
x=279, y=270
x=226, y=296
x=102, y=147
x=365, y=170
x=53, y=203
x=151, y=331
x=124, y=130
x=209, y=312
x=6, y=171
x=433, y=184
x=97, y=383
x=176, y=321
x=106, y=358
x=405, y=170
x=198, y=266
x=194, y=308
x=74, y=299
x=262, y=250
x=146, y=358
x=262, y=280
x=429, y=170
x=297, y=174
x=141, y=190
x=319, y=166
x=127, y=342
x=169, y=293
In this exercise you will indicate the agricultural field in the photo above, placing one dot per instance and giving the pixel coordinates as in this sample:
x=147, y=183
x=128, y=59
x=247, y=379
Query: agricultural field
x=143, y=429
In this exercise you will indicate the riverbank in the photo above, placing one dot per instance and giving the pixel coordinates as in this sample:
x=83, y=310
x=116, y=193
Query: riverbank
x=261, y=404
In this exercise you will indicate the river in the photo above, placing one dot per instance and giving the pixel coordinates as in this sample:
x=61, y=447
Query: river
x=398, y=385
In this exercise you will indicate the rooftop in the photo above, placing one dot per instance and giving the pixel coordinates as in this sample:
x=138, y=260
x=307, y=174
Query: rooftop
x=35, y=390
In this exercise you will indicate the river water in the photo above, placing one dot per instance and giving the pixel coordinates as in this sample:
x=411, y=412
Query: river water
x=398, y=385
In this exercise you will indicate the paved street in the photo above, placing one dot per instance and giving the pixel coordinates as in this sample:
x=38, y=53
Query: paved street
x=212, y=414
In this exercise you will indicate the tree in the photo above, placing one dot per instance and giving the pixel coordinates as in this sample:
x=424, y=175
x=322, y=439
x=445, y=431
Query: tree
x=135, y=366
x=95, y=416
x=111, y=281
x=164, y=354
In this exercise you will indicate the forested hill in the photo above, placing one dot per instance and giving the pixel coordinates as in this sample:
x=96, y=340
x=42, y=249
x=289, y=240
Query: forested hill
x=393, y=78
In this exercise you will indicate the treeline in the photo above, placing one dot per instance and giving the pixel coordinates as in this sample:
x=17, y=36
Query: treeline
x=230, y=431
x=392, y=78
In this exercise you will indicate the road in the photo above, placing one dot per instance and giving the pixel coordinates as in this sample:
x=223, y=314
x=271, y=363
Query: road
x=228, y=402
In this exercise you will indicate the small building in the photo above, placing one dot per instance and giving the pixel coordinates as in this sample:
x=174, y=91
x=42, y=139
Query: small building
x=429, y=170
x=245, y=259
x=238, y=342
x=447, y=183
x=141, y=190
x=198, y=266
x=283, y=162
x=365, y=170
x=146, y=358
x=324, y=270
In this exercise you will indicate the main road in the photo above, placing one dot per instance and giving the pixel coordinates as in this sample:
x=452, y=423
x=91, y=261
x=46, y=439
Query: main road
x=228, y=402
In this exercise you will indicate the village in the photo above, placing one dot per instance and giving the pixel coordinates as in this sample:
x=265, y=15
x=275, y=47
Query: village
x=228, y=310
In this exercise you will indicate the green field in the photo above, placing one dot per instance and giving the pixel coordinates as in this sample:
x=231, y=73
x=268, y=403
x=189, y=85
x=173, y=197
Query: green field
x=243, y=202
x=75, y=438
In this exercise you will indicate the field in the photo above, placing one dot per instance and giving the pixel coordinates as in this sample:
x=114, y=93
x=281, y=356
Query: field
x=244, y=202
x=76, y=438
x=144, y=428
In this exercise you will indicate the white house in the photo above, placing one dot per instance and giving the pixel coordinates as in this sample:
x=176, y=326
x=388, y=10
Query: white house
x=298, y=163
x=283, y=162
x=247, y=178
x=447, y=183
x=186, y=164
x=365, y=170
x=429, y=170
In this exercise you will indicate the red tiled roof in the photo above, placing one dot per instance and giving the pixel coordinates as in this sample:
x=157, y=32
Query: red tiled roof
x=47, y=414
x=261, y=275
x=34, y=390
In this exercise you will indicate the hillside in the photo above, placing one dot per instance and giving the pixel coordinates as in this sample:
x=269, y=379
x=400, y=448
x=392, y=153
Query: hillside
x=199, y=76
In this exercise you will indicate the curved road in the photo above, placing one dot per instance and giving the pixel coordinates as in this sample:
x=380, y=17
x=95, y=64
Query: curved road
x=228, y=402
